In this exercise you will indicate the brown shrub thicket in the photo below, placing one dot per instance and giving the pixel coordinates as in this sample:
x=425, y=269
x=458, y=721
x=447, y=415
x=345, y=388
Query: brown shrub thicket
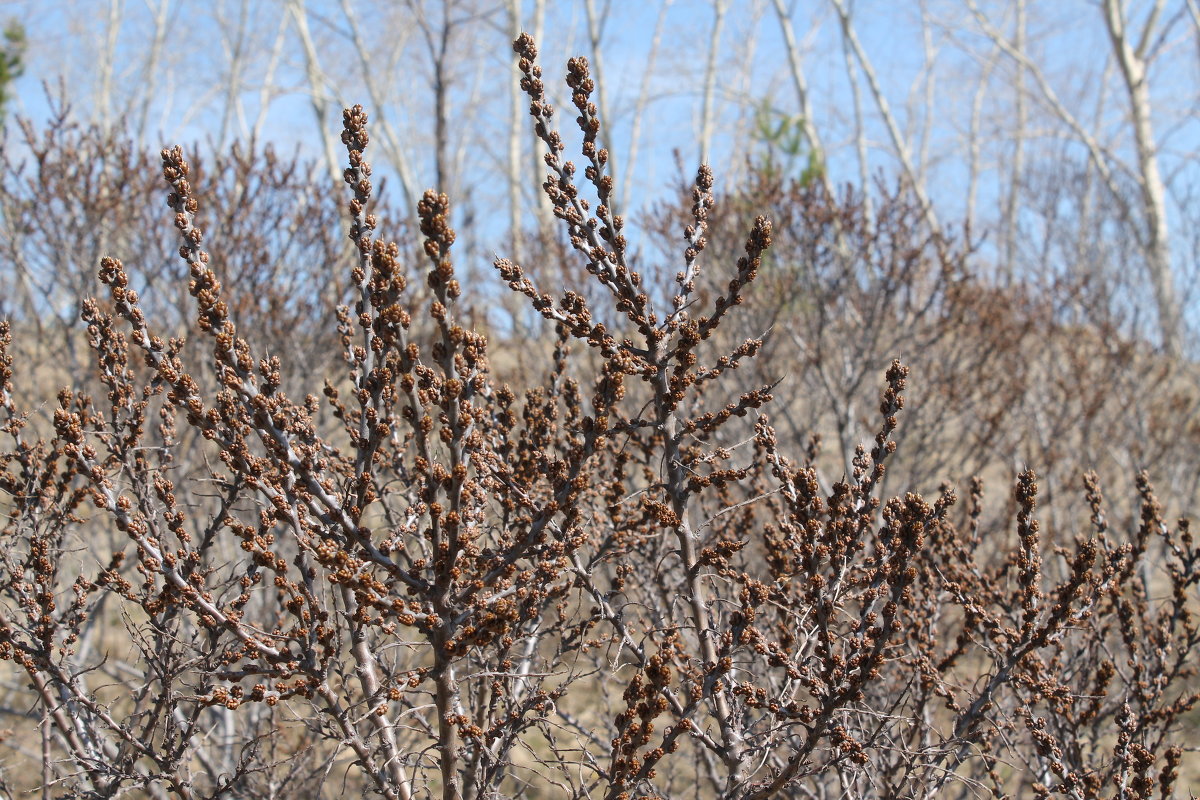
x=1043, y=374
x=71, y=194
x=612, y=580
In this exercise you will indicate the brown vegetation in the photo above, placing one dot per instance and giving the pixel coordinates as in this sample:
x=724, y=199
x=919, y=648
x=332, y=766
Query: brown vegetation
x=614, y=579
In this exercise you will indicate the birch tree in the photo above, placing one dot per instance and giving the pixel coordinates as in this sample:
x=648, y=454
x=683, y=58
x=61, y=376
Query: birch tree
x=710, y=79
x=1134, y=52
x=322, y=102
x=1134, y=60
x=899, y=143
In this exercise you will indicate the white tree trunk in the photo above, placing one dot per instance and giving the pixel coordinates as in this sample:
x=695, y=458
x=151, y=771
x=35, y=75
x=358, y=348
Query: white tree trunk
x=710, y=79
x=317, y=87
x=1133, y=63
x=795, y=65
x=1012, y=202
x=885, y=111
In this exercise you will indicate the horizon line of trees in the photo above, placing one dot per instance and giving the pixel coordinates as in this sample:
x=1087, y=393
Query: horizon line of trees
x=1063, y=138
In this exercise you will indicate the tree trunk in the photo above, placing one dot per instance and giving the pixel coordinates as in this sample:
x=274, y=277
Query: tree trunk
x=1157, y=239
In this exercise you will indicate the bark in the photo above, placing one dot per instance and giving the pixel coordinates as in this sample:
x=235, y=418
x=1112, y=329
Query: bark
x=860, y=130
x=885, y=111
x=796, y=68
x=1012, y=202
x=537, y=153
x=710, y=79
x=317, y=87
x=390, y=139
x=1133, y=62
x=152, y=67
x=366, y=669
x=973, y=140
x=441, y=98
x=268, y=85
x=235, y=46
x=929, y=76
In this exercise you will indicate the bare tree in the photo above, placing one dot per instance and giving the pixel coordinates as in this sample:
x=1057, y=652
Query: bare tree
x=319, y=91
x=397, y=155
x=1134, y=59
x=710, y=79
x=800, y=84
x=899, y=143
x=1016, y=168
x=1152, y=234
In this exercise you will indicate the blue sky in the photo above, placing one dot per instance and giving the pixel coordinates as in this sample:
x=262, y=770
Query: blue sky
x=1066, y=40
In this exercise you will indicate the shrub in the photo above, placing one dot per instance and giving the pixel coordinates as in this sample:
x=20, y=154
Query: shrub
x=610, y=581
